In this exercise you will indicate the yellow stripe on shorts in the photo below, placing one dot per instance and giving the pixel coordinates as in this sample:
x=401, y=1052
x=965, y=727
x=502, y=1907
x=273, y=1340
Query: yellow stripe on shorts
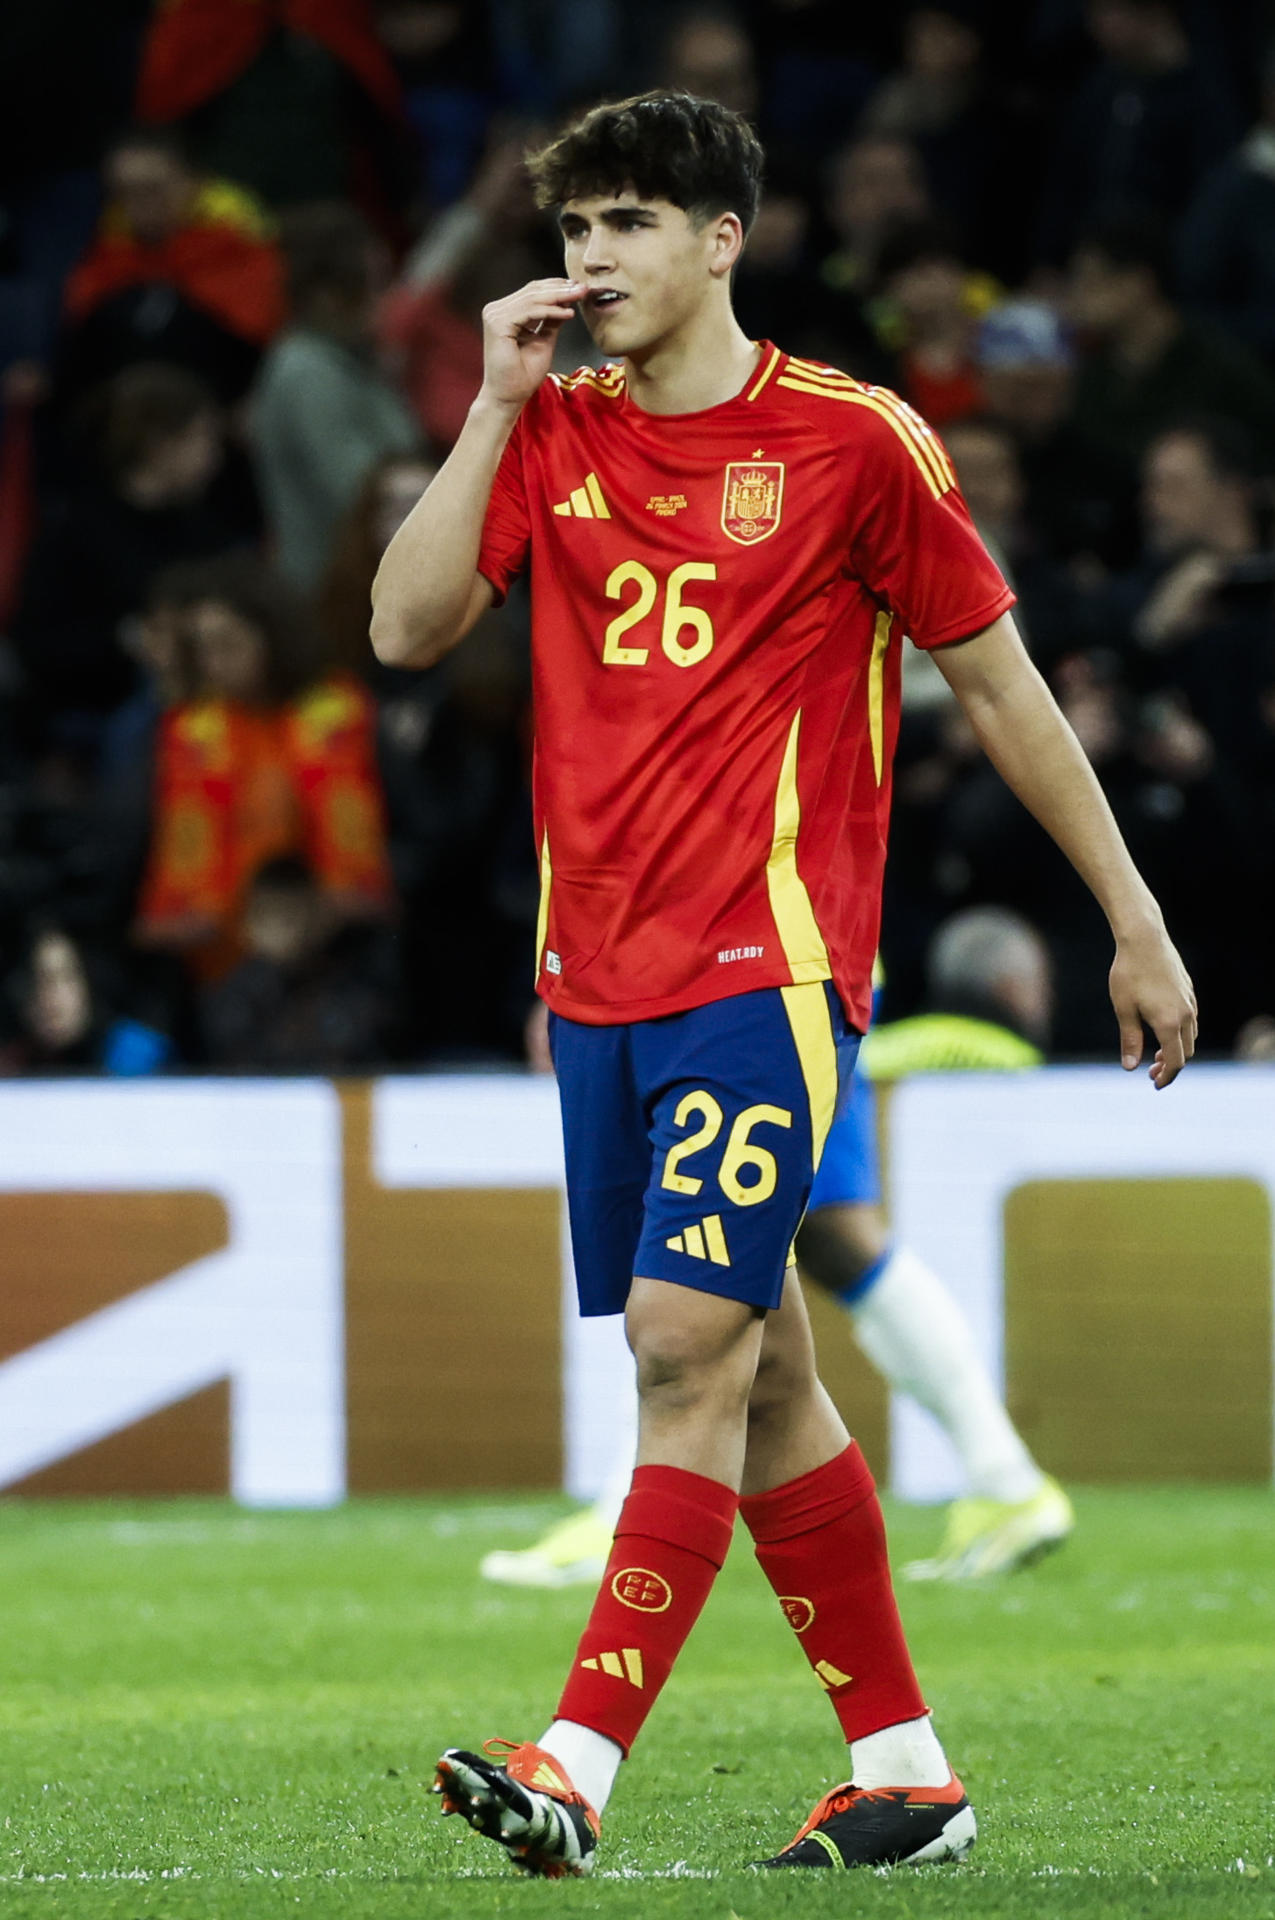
x=811, y=1024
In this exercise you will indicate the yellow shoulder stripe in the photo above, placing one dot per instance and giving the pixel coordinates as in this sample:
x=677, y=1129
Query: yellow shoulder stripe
x=768, y=368
x=813, y=370
x=834, y=381
x=926, y=451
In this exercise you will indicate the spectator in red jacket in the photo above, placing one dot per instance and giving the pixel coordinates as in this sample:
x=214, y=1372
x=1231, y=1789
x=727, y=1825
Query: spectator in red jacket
x=204, y=241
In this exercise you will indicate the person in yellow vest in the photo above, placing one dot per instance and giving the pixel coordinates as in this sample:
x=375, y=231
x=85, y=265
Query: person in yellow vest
x=990, y=1003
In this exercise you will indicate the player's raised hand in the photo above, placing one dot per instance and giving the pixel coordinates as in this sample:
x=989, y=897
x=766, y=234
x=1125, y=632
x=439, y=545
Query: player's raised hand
x=1149, y=983
x=519, y=336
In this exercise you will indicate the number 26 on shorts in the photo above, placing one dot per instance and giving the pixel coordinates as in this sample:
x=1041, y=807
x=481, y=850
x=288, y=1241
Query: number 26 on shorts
x=741, y=1152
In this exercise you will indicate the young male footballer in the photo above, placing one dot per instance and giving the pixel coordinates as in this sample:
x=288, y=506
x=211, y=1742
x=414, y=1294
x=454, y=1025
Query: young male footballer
x=727, y=546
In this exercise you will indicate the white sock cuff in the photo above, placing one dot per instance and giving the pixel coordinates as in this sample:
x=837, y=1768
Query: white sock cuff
x=590, y=1759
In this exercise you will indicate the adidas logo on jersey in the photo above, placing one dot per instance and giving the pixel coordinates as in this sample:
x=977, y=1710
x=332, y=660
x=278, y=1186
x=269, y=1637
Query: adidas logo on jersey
x=586, y=503
x=703, y=1242
x=625, y=1665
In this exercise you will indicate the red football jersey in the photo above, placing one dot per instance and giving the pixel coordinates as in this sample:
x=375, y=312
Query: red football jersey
x=719, y=601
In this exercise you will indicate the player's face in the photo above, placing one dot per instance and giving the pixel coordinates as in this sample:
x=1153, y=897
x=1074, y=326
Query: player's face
x=648, y=267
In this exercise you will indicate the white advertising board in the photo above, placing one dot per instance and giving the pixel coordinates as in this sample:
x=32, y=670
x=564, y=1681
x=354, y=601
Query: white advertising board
x=266, y=1311
x=505, y=1131
x=961, y=1143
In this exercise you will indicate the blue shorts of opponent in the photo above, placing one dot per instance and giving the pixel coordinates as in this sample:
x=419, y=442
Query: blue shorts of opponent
x=692, y=1141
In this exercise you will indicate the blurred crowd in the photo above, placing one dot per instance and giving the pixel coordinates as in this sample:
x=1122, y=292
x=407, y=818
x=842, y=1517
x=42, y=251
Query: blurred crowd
x=244, y=249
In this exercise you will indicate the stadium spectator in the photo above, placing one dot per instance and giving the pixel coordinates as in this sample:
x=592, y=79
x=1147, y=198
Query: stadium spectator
x=312, y=993
x=873, y=186
x=430, y=320
x=1142, y=130
x=268, y=757
x=1145, y=363
x=324, y=413
x=1191, y=624
x=1026, y=365
x=976, y=147
x=59, y=1016
x=295, y=98
x=1160, y=779
x=548, y=53
x=709, y=54
x=820, y=63
x=1226, y=244
x=184, y=267
x=989, y=468
x=444, y=61
x=778, y=291
x=929, y=306
x=384, y=501
x=165, y=484
x=454, y=758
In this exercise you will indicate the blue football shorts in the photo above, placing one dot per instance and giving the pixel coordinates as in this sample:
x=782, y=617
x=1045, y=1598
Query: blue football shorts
x=692, y=1141
x=850, y=1170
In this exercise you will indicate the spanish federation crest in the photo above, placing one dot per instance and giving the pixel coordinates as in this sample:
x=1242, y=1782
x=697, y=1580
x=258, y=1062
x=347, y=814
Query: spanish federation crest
x=752, y=500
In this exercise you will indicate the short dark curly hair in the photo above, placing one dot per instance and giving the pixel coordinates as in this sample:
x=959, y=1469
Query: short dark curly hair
x=663, y=145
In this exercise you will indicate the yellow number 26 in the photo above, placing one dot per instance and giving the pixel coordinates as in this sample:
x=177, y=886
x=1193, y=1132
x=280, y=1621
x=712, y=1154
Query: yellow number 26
x=678, y=618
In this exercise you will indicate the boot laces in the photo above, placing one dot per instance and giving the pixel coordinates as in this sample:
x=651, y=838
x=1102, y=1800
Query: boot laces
x=840, y=1800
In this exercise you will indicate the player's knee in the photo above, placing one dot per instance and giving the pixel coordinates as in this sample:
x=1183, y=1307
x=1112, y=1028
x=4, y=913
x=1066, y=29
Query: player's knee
x=678, y=1367
x=781, y=1379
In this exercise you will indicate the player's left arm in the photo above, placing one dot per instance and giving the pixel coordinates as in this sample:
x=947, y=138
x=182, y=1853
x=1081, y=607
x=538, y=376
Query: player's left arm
x=1032, y=747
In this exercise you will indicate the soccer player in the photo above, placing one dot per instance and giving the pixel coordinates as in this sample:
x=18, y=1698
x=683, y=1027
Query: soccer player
x=726, y=547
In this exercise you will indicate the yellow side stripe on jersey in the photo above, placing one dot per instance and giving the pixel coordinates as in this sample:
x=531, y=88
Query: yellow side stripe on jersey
x=771, y=363
x=876, y=691
x=542, y=916
x=935, y=476
x=841, y=383
x=794, y=917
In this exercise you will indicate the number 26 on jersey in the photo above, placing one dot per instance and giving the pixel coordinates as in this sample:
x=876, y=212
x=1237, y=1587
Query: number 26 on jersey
x=686, y=631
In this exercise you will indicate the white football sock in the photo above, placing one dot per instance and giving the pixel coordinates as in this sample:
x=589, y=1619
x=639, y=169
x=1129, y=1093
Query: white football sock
x=912, y=1329
x=905, y=1755
x=591, y=1759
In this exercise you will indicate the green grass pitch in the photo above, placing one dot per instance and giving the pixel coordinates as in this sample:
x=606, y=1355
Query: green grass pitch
x=213, y=1715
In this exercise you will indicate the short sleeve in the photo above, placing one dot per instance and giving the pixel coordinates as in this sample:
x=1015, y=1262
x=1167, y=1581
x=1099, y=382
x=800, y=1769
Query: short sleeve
x=502, y=554
x=913, y=544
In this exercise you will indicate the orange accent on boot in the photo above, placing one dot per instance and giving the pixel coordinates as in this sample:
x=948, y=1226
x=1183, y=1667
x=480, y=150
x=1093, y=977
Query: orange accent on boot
x=532, y=1767
x=839, y=1799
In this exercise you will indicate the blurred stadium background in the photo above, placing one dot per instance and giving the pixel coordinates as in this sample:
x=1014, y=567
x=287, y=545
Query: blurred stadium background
x=280, y=1187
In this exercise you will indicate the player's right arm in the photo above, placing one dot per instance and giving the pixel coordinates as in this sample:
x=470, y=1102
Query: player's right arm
x=428, y=591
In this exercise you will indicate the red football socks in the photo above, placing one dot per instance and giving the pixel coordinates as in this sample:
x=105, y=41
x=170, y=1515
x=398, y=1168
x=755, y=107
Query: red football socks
x=670, y=1542
x=821, y=1544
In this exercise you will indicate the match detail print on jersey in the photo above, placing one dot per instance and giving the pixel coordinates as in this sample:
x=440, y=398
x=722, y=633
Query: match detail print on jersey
x=718, y=607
